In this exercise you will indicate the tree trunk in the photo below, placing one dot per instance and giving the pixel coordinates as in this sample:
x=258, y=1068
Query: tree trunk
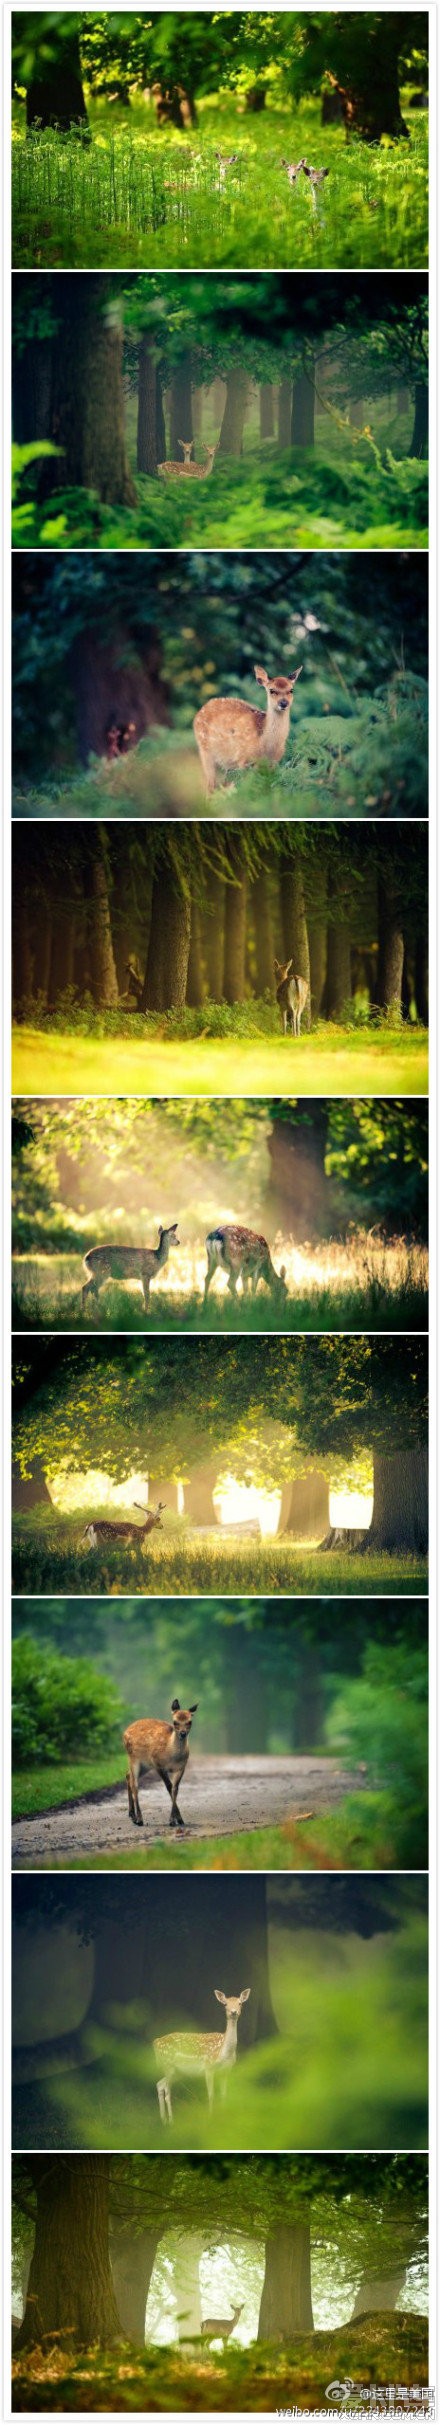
x=338, y=985
x=102, y=965
x=214, y=936
x=298, y=1185
x=114, y=683
x=181, y=425
x=152, y=997
x=88, y=418
x=419, y=440
x=186, y=2269
x=391, y=951
x=267, y=418
x=284, y=413
x=378, y=2291
x=56, y=98
x=222, y=1942
x=264, y=953
x=62, y=958
x=133, y=2260
x=22, y=981
x=303, y=410
x=168, y=950
x=400, y=1502
x=245, y=1696
x=421, y=979
x=294, y=925
x=237, y=397
x=195, y=990
x=372, y=92
x=147, y=447
x=305, y=1507
x=199, y=1503
x=43, y=955
x=30, y=1491
x=235, y=941
x=70, y=2292
x=317, y=926
x=308, y=1717
x=286, y=2299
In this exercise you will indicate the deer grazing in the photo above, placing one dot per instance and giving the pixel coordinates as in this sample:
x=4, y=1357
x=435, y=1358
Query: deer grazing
x=231, y=734
x=199, y=2054
x=187, y=470
x=243, y=1255
x=153, y=1745
x=219, y=2328
x=291, y=995
x=140, y=1263
x=102, y=1530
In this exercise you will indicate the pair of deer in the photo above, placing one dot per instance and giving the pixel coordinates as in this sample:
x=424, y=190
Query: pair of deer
x=196, y=471
x=242, y=1253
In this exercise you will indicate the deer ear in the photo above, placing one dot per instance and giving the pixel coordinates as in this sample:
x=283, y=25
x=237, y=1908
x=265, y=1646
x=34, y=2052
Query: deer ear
x=192, y=1708
x=245, y=1993
x=175, y=1704
x=295, y=677
x=260, y=675
x=218, y=1992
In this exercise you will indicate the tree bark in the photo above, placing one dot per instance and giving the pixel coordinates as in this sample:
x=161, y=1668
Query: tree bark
x=338, y=985
x=378, y=2291
x=70, y=2290
x=195, y=990
x=267, y=416
x=294, y=926
x=56, y=97
x=43, y=955
x=303, y=411
x=168, y=950
x=237, y=397
x=133, y=2259
x=102, y=964
x=391, y=951
x=400, y=1502
x=30, y=1491
x=147, y=447
x=317, y=927
x=186, y=2269
x=421, y=979
x=181, y=424
x=22, y=977
x=284, y=413
x=88, y=417
x=118, y=680
x=62, y=958
x=305, y=1507
x=235, y=941
x=199, y=1503
x=286, y=2299
x=214, y=935
x=298, y=1183
x=264, y=951
x=372, y=91
x=420, y=434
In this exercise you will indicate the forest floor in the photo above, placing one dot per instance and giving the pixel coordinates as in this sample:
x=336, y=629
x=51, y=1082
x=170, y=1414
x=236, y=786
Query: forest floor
x=95, y=1059
x=225, y=1794
x=139, y=197
x=365, y=1282
x=377, y=2349
x=48, y=1557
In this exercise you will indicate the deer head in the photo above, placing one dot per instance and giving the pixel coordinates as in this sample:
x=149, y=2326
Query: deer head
x=182, y=1719
x=280, y=690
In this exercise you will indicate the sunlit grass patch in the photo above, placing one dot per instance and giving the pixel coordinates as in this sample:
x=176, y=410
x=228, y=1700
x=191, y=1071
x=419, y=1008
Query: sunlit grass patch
x=365, y=1281
x=87, y=1056
x=47, y=1556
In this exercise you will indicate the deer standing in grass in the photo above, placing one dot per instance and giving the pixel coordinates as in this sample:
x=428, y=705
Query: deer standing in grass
x=103, y=1530
x=187, y=470
x=291, y=995
x=219, y=2328
x=127, y=1263
x=231, y=734
x=243, y=1255
x=199, y=2054
x=163, y=1750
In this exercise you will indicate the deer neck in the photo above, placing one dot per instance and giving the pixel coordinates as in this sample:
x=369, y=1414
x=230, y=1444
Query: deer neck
x=275, y=731
x=229, y=2042
x=161, y=1252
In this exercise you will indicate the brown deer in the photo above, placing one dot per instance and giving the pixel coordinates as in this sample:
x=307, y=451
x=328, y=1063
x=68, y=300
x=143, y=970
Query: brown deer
x=199, y=471
x=244, y=1255
x=231, y=734
x=293, y=169
x=291, y=995
x=225, y=160
x=167, y=468
x=199, y=2054
x=186, y=470
x=219, y=2328
x=151, y=1744
x=102, y=1530
x=140, y=1263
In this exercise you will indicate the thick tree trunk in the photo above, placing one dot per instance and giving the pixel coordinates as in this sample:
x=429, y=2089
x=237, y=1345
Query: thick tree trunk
x=267, y=416
x=22, y=977
x=199, y=1503
x=147, y=446
x=70, y=2291
x=338, y=985
x=237, y=397
x=245, y=1696
x=421, y=979
x=195, y=989
x=102, y=965
x=56, y=98
x=298, y=1184
x=30, y=1492
x=419, y=440
x=62, y=958
x=152, y=997
x=168, y=950
x=308, y=1720
x=286, y=2299
x=214, y=924
x=43, y=955
x=400, y=1502
x=132, y=2266
x=181, y=425
x=317, y=927
x=378, y=2291
x=303, y=410
x=391, y=951
x=264, y=950
x=372, y=92
x=88, y=391
x=115, y=684
x=294, y=926
x=186, y=2269
x=284, y=413
x=235, y=941
x=305, y=1507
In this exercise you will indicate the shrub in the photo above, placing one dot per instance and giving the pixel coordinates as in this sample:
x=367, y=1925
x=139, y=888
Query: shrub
x=60, y=1707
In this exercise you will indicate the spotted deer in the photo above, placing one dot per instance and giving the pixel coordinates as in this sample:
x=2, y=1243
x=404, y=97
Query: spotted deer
x=225, y=160
x=231, y=734
x=170, y=468
x=160, y=1749
x=244, y=1256
x=199, y=471
x=219, y=2328
x=199, y=2054
x=140, y=1263
x=102, y=1530
x=187, y=470
x=291, y=994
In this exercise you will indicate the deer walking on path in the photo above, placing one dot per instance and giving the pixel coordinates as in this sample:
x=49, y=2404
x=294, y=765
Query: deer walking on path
x=199, y=2054
x=219, y=2328
x=291, y=995
x=231, y=734
x=153, y=1745
x=104, y=1530
x=127, y=1263
x=243, y=1255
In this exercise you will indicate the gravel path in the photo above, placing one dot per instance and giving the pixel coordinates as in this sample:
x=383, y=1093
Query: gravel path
x=219, y=1796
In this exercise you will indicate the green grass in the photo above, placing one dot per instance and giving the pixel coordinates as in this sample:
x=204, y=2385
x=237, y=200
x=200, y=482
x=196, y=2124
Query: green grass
x=144, y=198
x=38, y=1306
x=358, y=1837
x=87, y=1054
x=264, y=2377
x=47, y=1558
x=45, y=1788
x=349, y=496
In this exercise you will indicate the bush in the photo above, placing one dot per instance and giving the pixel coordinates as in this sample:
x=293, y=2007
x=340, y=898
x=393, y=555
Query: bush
x=381, y=1718
x=60, y=1707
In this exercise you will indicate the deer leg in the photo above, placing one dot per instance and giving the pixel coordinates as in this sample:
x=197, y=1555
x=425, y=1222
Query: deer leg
x=209, y=2087
x=145, y=1286
x=232, y=1283
x=165, y=2106
x=207, y=766
x=209, y=1275
x=90, y=1289
x=134, y=1808
x=175, y=1816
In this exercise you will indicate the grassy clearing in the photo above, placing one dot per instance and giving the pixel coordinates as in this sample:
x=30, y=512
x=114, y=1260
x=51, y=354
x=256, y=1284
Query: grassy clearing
x=47, y=1557
x=142, y=198
x=365, y=1283
x=87, y=1055
x=377, y=2349
x=347, y=495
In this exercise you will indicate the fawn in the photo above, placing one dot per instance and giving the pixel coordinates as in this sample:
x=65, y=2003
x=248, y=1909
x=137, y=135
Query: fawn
x=152, y=1744
x=219, y=2328
x=103, y=1529
x=292, y=996
x=244, y=1255
x=229, y=733
x=127, y=1263
x=197, y=2053
x=225, y=160
x=198, y=471
x=187, y=447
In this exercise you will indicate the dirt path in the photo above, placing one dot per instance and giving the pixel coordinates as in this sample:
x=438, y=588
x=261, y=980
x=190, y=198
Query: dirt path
x=219, y=1796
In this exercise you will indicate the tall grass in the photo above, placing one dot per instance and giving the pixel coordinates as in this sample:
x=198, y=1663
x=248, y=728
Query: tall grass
x=48, y=1557
x=213, y=1052
x=306, y=498
x=366, y=1282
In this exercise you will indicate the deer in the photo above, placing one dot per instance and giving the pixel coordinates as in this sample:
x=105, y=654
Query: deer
x=153, y=1745
x=199, y=2054
x=139, y=1263
x=230, y=733
x=197, y=471
x=104, y=1530
x=225, y=160
x=291, y=995
x=243, y=1255
x=293, y=169
x=219, y=2328
x=187, y=447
